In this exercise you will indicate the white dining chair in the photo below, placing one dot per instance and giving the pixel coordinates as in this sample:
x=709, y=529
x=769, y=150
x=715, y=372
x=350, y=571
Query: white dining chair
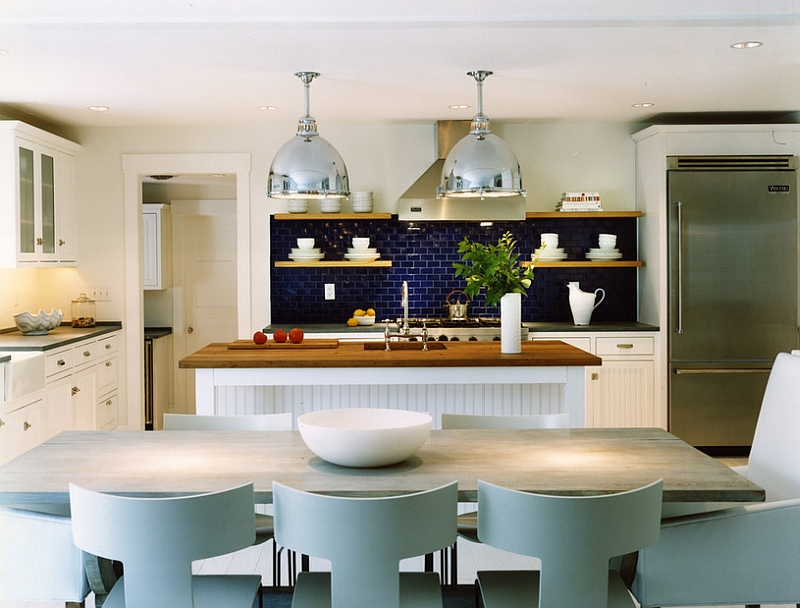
x=38, y=560
x=365, y=539
x=249, y=422
x=157, y=539
x=573, y=536
x=468, y=522
x=265, y=525
x=745, y=555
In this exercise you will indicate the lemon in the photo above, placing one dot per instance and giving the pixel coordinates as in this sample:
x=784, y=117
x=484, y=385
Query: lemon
x=358, y=313
x=352, y=322
x=370, y=312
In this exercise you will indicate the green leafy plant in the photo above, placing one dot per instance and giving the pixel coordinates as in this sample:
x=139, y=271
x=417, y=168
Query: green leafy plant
x=494, y=268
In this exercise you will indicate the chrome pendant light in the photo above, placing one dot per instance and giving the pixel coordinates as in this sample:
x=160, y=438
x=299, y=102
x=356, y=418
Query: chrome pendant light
x=307, y=166
x=481, y=164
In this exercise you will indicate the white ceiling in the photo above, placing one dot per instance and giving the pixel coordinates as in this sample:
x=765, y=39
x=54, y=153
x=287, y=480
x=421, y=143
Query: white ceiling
x=213, y=62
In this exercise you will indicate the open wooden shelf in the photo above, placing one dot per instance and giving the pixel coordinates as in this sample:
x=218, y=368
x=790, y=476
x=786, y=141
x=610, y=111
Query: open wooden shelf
x=331, y=216
x=334, y=263
x=562, y=215
x=587, y=264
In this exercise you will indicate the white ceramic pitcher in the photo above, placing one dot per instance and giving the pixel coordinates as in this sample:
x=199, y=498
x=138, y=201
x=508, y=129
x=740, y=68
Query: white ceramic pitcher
x=582, y=303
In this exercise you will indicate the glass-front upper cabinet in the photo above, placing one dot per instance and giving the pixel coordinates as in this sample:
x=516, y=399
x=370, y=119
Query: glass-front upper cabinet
x=37, y=191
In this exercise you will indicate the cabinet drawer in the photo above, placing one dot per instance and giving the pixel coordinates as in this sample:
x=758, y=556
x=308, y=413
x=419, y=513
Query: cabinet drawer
x=58, y=362
x=85, y=353
x=625, y=346
x=105, y=413
x=107, y=376
x=107, y=346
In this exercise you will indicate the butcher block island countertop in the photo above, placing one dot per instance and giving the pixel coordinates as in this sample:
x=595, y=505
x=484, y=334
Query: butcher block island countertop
x=332, y=353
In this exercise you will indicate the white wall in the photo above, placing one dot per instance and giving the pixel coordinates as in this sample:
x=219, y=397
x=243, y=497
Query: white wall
x=383, y=158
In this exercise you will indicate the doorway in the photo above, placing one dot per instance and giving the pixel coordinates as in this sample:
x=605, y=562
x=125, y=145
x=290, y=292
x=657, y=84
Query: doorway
x=135, y=168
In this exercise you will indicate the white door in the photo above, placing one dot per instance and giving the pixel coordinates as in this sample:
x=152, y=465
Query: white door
x=204, y=267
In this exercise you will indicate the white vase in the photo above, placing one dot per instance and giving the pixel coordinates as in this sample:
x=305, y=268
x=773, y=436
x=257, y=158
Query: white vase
x=511, y=323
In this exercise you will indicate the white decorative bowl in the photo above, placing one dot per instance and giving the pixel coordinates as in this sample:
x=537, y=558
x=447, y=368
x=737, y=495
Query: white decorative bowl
x=364, y=437
x=38, y=325
x=365, y=320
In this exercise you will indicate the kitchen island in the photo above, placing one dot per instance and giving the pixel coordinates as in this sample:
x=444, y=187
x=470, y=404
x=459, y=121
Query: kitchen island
x=548, y=362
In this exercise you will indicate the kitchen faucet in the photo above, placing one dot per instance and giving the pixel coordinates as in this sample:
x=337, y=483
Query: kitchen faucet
x=403, y=326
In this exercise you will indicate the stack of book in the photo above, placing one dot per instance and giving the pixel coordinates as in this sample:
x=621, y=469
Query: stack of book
x=579, y=201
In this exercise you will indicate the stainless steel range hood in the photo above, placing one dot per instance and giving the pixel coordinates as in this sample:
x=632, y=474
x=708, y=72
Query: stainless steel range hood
x=419, y=202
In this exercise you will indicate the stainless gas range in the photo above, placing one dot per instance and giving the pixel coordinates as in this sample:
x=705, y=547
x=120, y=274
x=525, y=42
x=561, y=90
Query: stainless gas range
x=477, y=329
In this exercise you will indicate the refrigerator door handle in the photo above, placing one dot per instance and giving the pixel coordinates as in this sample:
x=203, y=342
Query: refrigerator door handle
x=679, y=267
x=722, y=370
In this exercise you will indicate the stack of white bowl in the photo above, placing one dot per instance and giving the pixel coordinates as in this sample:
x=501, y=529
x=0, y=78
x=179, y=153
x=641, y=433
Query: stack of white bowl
x=298, y=205
x=305, y=251
x=330, y=205
x=361, y=251
x=550, y=251
x=607, y=249
x=362, y=202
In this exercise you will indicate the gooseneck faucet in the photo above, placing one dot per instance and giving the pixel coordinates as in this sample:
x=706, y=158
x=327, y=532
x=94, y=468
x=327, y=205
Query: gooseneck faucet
x=404, y=302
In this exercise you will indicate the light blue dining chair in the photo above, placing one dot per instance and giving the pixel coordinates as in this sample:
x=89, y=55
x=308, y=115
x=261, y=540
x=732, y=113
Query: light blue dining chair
x=157, y=539
x=38, y=560
x=575, y=537
x=265, y=525
x=468, y=522
x=365, y=539
x=744, y=555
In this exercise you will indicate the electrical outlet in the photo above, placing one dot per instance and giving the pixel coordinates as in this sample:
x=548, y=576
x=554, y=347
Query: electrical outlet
x=330, y=291
x=101, y=294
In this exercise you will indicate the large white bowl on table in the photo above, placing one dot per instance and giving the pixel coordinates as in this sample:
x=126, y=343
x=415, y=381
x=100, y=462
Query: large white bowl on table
x=364, y=437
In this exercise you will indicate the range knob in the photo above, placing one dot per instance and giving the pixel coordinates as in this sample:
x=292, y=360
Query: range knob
x=442, y=338
x=473, y=339
x=455, y=339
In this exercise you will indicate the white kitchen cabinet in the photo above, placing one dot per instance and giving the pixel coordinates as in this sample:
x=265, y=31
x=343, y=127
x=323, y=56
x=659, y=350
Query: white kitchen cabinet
x=37, y=174
x=622, y=392
x=20, y=429
x=80, y=393
x=84, y=398
x=156, y=246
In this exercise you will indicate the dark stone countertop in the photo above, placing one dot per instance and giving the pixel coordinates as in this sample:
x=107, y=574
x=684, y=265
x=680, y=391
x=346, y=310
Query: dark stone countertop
x=62, y=335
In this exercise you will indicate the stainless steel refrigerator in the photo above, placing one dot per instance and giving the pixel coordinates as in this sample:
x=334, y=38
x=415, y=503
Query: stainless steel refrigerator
x=733, y=290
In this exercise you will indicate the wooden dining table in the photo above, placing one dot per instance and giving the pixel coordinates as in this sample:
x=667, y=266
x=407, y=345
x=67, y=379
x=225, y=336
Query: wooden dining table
x=575, y=462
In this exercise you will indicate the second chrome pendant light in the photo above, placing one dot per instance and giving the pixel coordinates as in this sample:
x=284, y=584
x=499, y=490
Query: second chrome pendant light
x=481, y=164
x=308, y=166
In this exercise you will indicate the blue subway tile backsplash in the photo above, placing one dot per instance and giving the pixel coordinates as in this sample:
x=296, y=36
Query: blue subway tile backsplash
x=423, y=254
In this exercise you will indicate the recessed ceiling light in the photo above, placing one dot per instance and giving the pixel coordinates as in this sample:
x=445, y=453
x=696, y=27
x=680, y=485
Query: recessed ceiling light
x=98, y=108
x=748, y=44
x=267, y=108
x=459, y=106
x=643, y=104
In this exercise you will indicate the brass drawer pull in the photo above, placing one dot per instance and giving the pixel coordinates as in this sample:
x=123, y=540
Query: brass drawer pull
x=625, y=346
x=61, y=362
x=108, y=363
x=27, y=425
x=75, y=390
x=87, y=353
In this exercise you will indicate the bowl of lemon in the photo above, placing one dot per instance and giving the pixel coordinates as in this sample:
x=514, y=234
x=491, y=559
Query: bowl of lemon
x=362, y=317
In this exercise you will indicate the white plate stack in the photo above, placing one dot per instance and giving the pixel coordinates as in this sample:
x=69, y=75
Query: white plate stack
x=330, y=205
x=607, y=251
x=298, y=205
x=361, y=251
x=550, y=251
x=305, y=251
x=362, y=202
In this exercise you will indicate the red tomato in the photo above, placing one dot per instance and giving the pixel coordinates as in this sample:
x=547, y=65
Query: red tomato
x=259, y=337
x=296, y=335
x=279, y=335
